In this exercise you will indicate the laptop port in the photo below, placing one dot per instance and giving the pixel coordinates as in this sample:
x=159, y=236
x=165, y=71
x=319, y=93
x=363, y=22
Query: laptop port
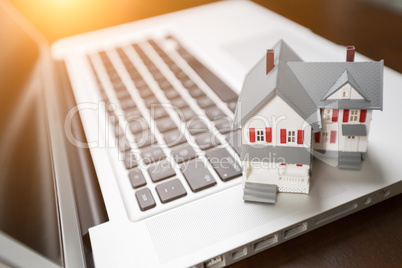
x=216, y=262
x=265, y=243
x=336, y=214
x=239, y=253
x=295, y=230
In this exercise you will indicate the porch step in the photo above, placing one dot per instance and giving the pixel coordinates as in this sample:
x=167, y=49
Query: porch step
x=349, y=160
x=260, y=192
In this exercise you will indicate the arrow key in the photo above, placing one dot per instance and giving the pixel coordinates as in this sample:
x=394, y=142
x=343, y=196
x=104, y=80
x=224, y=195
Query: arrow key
x=170, y=190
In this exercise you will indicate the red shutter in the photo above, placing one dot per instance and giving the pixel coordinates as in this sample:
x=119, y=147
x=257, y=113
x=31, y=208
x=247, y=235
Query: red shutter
x=333, y=136
x=252, y=134
x=335, y=113
x=346, y=115
x=363, y=114
x=268, y=134
x=283, y=135
x=300, y=136
x=321, y=111
x=317, y=136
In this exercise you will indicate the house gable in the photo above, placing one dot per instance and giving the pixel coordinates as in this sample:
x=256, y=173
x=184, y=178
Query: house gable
x=275, y=117
x=345, y=88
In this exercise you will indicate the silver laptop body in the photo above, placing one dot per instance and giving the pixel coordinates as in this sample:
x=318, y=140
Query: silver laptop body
x=208, y=225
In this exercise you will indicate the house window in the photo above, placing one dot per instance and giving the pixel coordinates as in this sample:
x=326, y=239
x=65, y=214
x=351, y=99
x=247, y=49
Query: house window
x=351, y=137
x=291, y=136
x=354, y=115
x=325, y=136
x=260, y=135
x=327, y=114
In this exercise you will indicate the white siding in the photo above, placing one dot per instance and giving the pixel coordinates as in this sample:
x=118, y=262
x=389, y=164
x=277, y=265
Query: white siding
x=345, y=93
x=278, y=115
x=358, y=144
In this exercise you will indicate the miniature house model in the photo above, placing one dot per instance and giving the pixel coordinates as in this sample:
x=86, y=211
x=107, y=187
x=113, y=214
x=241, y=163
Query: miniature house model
x=288, y=108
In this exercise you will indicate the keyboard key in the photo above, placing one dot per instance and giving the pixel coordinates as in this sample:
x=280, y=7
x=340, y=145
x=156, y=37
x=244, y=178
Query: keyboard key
x=186, y=113
x=171, y=93
x=159, y=77
x=220, y=88
x=164, y=85
x=118, y=131
x=145, y=138
x=181, y=75
x=145, y=199
x=137, y=124
x=122, y=94
x=174, y=137
x=140, y=82
x=161, y=170
x=132, y=112
x=224, y=125
x=224, y=164
x=196, y=126
x=152, y=154
x=207, y=140
x=151, y=101
x=136, y=178
x=196, y=92
x=204, y=102
x=188, y=83
x=170, y=190
x=127, y=103
x=197, y=175
x=234, y=139
x=214, y=112
x=178, y=102
x=158, y=112
x=130, y=161
x=165, y=124
x=145, y=92
x=124, y=144
x=183, y=153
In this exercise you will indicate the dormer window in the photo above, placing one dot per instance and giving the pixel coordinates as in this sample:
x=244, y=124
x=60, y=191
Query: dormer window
x=346, y=92
x=345, y=88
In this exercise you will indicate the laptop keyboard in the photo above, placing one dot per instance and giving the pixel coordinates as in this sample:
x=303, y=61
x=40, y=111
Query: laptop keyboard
x=171, y=117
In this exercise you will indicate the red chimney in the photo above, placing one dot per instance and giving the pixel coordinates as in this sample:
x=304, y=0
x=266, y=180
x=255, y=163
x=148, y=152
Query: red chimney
x=270, y=60
x=350, y=53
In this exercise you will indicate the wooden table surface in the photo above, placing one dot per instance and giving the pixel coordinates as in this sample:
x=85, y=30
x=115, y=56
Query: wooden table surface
x=369, y=238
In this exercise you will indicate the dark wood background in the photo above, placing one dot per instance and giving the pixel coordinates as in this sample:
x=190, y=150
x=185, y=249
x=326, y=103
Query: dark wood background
x=369, y=238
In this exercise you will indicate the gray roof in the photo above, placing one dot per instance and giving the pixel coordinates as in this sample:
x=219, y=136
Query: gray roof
x=305, y=86
x=259, y=88
x=264, y=153
x=344, y=79
x=354, y=130
x=318, y=78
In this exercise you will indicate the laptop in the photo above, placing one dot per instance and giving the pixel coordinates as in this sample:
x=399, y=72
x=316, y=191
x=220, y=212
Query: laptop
x=134, y=115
